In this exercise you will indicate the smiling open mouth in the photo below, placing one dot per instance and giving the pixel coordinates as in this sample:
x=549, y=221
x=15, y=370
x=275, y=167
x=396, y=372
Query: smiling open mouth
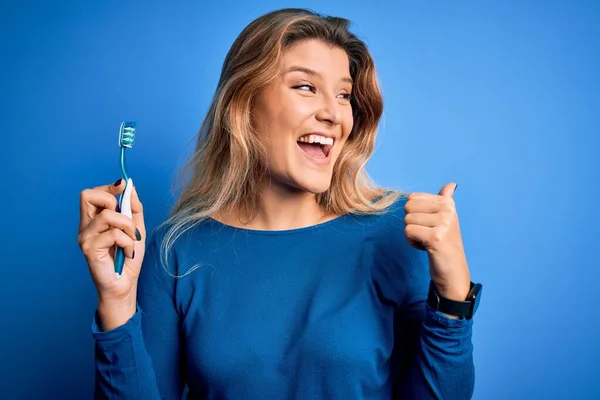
x=315, y=145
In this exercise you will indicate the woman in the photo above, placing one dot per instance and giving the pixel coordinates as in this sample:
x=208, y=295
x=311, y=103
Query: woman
x=283, y=272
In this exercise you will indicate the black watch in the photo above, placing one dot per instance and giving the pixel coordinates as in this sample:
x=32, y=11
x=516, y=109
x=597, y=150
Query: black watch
x=466, y=308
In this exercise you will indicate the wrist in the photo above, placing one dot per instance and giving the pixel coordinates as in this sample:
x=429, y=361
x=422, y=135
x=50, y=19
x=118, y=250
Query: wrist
x=456, y=298
x=456, y=288
x=112, y=314
x=456, y=292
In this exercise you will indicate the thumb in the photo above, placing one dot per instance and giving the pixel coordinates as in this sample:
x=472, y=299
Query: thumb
x=137, y=211
x=448, y=190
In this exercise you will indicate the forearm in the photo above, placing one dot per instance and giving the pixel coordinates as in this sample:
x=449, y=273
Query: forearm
x=123, y=368
x=443, y=365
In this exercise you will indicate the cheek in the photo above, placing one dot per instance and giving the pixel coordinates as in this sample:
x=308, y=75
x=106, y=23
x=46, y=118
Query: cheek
x=266, y=123
x=281, y=116
x=259, y=116
x=284, y=120
x=347, y=123
x=276, y=134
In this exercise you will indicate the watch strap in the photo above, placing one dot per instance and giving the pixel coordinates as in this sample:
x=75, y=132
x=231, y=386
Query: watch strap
x=465, y=308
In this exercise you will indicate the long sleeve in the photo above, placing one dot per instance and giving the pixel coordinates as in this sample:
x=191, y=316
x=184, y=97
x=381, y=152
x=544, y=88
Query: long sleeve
x=438, y=362
x=142, y=359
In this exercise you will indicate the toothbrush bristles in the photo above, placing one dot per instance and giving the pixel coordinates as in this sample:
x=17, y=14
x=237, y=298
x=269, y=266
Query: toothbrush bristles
x=127, y=136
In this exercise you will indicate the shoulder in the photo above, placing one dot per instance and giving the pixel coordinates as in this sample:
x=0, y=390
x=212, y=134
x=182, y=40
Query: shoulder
x=173, y=234
x=394, y=260
x=389, y=220
x=169, y=243
x=384, y=230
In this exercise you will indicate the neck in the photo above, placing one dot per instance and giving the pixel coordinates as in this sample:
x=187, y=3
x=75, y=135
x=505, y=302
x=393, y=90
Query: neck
x=282, y=208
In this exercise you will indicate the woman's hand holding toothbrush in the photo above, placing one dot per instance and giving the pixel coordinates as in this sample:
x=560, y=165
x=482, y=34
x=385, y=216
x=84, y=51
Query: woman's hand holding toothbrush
x=101, y=227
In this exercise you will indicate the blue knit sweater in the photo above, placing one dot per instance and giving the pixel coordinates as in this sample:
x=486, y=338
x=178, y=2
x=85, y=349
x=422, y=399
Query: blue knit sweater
x=332, y=311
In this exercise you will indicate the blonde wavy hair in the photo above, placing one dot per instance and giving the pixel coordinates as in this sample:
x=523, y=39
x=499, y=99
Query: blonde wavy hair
x=229, y=161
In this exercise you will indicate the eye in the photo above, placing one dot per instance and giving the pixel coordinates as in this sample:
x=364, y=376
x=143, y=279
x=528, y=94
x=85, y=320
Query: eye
x=346, y=96
x=305, y=87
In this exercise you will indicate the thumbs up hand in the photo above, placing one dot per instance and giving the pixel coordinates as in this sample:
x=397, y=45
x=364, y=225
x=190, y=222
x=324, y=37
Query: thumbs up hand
x=432, y=225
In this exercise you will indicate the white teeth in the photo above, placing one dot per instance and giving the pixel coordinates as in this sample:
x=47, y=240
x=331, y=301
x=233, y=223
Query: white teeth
x=316, y=139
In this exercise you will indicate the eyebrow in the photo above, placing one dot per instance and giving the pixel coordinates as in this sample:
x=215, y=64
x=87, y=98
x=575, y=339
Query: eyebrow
x=313, y=72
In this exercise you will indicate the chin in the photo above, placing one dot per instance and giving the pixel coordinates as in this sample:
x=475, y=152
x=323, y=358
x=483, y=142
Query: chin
x=315, y=184
x=315, y=189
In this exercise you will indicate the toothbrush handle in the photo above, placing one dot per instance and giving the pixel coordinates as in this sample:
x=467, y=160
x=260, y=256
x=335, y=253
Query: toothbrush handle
x=119, y=262
x=125, y=206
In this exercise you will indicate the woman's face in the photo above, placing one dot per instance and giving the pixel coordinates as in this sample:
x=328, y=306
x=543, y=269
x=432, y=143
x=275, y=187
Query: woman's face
x=304, y=116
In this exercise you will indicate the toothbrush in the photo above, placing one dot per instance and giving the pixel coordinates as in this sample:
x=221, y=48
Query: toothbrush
x=126, y=139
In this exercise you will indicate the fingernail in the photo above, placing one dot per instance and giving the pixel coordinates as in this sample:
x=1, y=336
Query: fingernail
x=455, y=187
x=118, y=182
x=133, y=255
x=138, y=235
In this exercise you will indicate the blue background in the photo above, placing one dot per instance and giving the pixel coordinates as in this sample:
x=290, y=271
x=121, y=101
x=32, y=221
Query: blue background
x=501, y=98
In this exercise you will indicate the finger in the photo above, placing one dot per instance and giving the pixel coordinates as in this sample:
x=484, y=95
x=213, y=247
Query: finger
x=423, y=196
x=423, y=219
x=98, y=244
x=114, y=188
x=109, y=219
x=137, y=212
x=422, y=205
x=92, y=201
x=419, y=234
x=416, y=245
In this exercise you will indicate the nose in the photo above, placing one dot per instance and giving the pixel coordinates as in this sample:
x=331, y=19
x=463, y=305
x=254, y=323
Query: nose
x=329, y=111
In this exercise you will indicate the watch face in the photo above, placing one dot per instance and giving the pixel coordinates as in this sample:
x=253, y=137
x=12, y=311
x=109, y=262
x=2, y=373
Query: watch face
x=476, y=296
